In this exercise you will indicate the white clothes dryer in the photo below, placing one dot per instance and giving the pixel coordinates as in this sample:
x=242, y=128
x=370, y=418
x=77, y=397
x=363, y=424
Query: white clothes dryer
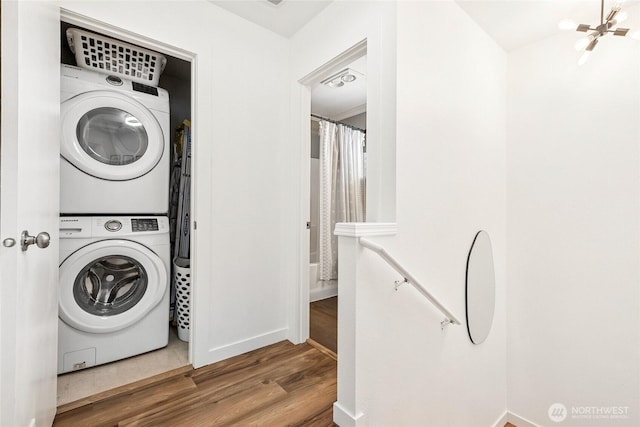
x=115, y=145
x=114, y=284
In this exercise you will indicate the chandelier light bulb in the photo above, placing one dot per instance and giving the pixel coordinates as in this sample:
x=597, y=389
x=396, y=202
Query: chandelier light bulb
x=621, y=17
x=584, y=57
x=567, y=24
x=583, y=42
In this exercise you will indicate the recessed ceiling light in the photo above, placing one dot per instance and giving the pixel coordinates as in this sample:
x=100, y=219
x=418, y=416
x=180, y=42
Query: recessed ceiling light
x=348, y=78
x=340, y=78
x=335, y=83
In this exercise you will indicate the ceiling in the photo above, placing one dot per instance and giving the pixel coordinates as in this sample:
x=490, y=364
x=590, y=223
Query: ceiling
x=284, y=19
x=511, y=23
x=514, y=23
x=339, y=103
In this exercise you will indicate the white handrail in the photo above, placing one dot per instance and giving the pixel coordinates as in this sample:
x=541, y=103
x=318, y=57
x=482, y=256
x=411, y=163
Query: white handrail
x=408, y=277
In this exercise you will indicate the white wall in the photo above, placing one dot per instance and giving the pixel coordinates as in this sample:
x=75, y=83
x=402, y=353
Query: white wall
x=239, y=183
x=359, y=120
x=451, y=170
x=573, y=221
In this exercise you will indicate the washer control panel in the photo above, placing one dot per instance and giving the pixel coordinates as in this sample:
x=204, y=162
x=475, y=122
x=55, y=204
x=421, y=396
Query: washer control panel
x=144, y=224
x=82, y=227
x=113, y=225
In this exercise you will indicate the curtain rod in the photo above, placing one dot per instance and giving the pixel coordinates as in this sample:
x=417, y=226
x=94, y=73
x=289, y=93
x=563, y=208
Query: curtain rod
x=338, y=123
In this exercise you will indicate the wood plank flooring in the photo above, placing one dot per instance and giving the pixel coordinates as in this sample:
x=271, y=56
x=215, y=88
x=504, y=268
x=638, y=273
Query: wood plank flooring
x=279, y=385
x=282, y=384
x=323, y=323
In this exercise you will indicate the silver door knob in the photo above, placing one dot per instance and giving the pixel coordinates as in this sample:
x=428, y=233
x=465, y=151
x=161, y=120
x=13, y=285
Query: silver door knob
x=42, y=240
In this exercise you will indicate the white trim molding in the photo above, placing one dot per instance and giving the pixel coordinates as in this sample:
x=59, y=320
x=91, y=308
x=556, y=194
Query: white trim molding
x=510, y=417
x=504, y=418
x=344, y=418
x=240, y=347
x=345, y=58
x=361, y=229
x=517, y=420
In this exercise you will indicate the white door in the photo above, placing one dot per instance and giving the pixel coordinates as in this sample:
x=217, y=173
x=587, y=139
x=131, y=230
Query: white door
x=29, y=198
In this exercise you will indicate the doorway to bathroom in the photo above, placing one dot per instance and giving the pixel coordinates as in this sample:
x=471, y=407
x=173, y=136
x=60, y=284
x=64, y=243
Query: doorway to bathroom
x=337, y=185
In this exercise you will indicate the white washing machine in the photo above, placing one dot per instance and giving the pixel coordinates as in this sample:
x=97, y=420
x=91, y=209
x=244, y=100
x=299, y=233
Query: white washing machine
x=113, y=299
x=115, y=145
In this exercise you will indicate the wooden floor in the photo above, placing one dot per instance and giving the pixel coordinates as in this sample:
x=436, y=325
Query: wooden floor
x=323, y=323
x=282, y=384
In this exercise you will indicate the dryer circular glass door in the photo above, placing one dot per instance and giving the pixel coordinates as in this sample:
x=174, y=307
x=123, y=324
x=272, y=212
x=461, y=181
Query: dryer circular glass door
x=110, y=136
x=109, y=285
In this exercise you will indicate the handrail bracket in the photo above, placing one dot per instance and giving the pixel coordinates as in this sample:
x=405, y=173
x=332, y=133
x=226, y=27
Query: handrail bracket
x=446, y=322
x=401, y=282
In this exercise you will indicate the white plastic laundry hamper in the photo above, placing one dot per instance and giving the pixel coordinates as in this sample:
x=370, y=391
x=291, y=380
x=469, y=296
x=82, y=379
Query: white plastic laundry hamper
x=111, y=56
x=182, y=284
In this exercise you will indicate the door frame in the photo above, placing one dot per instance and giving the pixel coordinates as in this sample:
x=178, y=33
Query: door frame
x=300, y=328
x=128, y=36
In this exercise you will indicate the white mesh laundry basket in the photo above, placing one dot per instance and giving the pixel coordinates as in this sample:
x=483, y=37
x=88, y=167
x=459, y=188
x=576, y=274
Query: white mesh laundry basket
x=110, y=56
x=182, y=284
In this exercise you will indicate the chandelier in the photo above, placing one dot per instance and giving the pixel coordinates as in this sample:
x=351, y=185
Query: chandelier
x=606, y=26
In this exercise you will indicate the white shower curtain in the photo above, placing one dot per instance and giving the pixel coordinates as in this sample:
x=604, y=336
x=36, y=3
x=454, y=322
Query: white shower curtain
x=342, y=188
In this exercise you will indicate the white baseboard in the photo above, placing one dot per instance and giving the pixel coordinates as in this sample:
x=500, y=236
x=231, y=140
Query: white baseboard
x=239, y=347
x=502, y=420
x=519, y=421
x=516, y=420
x=344, y=418
x=323, y=292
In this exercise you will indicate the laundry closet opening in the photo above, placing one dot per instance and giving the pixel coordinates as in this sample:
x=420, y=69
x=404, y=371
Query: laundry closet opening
x=125, y=180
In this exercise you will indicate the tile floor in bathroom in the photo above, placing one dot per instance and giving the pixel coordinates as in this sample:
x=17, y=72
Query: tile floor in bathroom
x=78, y=385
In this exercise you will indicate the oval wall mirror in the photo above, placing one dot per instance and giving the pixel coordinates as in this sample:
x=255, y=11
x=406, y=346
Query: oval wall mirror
x=480, y=288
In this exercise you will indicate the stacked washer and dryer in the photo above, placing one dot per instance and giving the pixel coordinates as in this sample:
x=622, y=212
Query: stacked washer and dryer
x=114, y=184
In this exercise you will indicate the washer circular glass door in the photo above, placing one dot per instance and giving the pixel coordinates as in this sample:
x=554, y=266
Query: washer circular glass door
x=110, y=136
x=109, y=285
